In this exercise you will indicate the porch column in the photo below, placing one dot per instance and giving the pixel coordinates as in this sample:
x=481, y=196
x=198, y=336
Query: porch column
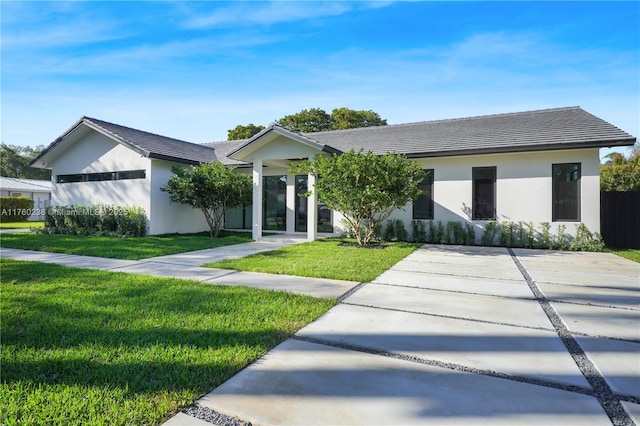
x=292, y=199
x=312, y=209
x=257, y=200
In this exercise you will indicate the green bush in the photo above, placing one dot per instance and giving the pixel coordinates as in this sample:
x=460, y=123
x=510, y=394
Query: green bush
x=489, y=234
x=15, y=209
x=418, y=231
x=395, y=231
x=586, y=240
x=100, y=220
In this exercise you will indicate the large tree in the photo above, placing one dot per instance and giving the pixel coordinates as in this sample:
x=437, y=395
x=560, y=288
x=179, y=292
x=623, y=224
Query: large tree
x=211, y=187
x=312, y=120
x=14, y=162
x=345, y=118
x=620, y=173
x=243, y=132
x=364, y=187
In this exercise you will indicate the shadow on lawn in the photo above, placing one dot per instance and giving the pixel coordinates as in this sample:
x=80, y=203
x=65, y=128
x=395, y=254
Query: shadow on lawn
x=145, y=336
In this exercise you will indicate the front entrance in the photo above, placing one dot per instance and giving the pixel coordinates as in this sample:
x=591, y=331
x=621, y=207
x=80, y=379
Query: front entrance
x=324, y=215
x=274, y=203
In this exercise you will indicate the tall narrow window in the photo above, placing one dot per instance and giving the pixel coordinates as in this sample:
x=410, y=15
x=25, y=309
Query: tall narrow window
x=484, y=192
x=423, y=205
x=565, y=192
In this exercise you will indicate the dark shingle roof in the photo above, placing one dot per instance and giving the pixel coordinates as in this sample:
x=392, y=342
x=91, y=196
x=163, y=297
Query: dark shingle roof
x=223, y=148
x=558, y=128
x=156, y=146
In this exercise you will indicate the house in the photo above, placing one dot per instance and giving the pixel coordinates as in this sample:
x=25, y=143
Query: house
x=38, y=190
x=534, y=166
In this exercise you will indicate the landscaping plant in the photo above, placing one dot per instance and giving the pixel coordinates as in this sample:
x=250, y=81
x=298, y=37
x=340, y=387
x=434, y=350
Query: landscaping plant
x=365, y=188
x=212, y=188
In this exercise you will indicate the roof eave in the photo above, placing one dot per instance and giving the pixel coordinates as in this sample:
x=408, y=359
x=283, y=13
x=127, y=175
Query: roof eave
x=524, y=148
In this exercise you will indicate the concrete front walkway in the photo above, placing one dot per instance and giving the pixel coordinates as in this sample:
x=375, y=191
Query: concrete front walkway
x=187, y=266
x=458, y=335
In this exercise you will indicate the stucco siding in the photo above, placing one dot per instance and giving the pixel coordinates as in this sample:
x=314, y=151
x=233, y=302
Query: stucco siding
x=167, y=217
x=523, y=188
x=97, y=153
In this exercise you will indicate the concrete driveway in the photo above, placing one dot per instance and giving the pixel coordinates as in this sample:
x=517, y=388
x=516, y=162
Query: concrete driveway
x=459, y=335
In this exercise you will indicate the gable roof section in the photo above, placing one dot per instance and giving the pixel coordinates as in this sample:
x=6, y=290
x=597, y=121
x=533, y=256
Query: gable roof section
x=144, y=143
x=273, y=130
x=549, y=129
x=29, y=185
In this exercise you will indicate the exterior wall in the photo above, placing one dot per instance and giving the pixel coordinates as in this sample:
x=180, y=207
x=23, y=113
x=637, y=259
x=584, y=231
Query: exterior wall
x=98, y=153
x=166, y=217
x=523, y=188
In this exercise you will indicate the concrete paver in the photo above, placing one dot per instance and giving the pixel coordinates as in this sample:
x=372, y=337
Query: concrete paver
x=450, y=304
x=618, y=361
x=170, y=266
x=305, y=383
x=465, y=284
x=517, y=351
x=454, y=335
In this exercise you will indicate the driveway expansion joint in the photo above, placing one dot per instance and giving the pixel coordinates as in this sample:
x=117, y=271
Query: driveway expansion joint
x=601, y=390
x=448, y=365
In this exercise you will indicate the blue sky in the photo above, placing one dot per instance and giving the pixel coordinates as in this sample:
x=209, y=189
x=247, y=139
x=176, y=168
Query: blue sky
x=193, y=70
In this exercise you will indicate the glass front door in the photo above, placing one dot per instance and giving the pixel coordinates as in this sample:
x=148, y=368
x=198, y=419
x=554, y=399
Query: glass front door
x=324, y=214
x=274, y=203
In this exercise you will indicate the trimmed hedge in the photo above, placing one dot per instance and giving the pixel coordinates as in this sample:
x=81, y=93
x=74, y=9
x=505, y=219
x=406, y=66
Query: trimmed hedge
x=107, y=220
x=15, y=209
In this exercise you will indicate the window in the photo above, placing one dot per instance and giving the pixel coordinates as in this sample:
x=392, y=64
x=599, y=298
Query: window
x=423, y=205
x=484, y=192
x=72, y=178
x=131, y=174
x=102, y=176
x=565, y=192
x=96, y=177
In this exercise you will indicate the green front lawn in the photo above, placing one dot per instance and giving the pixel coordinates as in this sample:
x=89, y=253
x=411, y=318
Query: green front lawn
x=326, y=258
x=122, y=248
x=631, y=254
x=92, y=347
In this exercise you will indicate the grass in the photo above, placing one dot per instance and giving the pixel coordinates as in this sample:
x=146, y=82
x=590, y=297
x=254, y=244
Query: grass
x=21, y=225
x=92, y=347
x=631, y=254
x=122, y=248
x=325, y=258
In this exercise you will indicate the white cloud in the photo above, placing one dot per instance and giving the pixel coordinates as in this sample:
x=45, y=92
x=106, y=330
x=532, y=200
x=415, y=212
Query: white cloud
x=258, y=13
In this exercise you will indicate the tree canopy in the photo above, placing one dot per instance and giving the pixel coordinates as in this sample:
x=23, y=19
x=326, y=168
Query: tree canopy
x=315, y=120
x=364, y=187
x=318, y=120
x=14, y=162
x=243, y=132
x=212, y=188
x=621, y=174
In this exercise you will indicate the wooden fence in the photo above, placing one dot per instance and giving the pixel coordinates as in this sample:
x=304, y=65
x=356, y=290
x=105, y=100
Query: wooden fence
x=620, y=219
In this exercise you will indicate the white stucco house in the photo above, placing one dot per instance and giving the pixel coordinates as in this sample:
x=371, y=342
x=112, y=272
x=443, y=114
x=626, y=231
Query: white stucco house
x=535, y=166
x=38, y=190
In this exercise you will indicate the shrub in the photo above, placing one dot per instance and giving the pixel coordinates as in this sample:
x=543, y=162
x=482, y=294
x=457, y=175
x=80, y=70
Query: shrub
x=470, y=236
x=546, y=240
x=441, y=235
x=120, y=221
x=562, y=240
x=489, y=234
x=418, y=231
x=586, y=240
x=395, y=231
x=15, y=209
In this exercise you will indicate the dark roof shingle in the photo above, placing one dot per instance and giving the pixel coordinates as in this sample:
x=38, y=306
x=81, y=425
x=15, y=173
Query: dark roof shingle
x=557, y=128
x=157, y=146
